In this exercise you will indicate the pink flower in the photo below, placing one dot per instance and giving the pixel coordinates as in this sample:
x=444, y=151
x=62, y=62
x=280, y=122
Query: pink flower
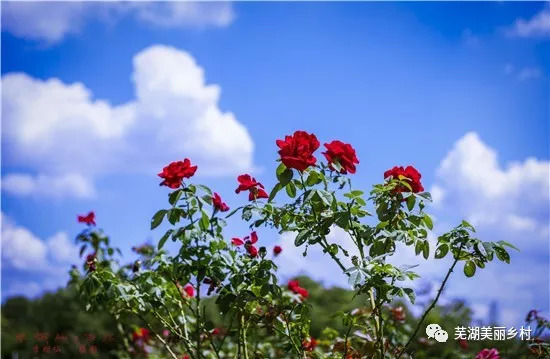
x=488, y=354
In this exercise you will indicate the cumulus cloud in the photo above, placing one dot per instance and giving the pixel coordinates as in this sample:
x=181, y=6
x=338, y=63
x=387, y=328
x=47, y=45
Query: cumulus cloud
x=69, y=185
x=536, y=26
x=66, y=136
x=516, y=196
x=27, y=20
x=505, y=202
x=23, y=250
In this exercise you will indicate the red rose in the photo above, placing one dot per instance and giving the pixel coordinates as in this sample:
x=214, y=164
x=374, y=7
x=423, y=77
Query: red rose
x=89, y=219
x=343, y=154
x=294, y=286
x=463, y=343
x=185, y=357
x=256, y=189
x=252, y=251
x=277, y=250
x=189, y=290
x=141, y=334
x=237, y=241
x=175, y=172
x=309, y=344
x=412, y=175
x=219, y=204
x=297, y=150
x=488, y=354
x=90, y=262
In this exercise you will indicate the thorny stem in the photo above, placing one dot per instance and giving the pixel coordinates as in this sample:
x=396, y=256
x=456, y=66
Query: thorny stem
x=432, y=305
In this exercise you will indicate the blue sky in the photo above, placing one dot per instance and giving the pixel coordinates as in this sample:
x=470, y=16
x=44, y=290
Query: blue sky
x=98, y=97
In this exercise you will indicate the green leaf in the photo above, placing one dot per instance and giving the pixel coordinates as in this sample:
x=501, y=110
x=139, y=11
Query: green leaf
x=355, y=277
x=468, y=225
x=291, y=189
x=204, y=222
x=157, y=218
x=418, y=247
x=325, y=196
x=426, y=250
x=174, y=196
x=313, y=178
x=410, y=202
x=174, y=215
x=164, y=238
x=274, y=192
x=502, y=254
x=507, y=244
x=469, y=269
x=280, y=169
x=410, y=293
x=301, y=238
x=285, y=177
x=441, y=251
x=382, y=225
x=205, y=189
x=428, y=221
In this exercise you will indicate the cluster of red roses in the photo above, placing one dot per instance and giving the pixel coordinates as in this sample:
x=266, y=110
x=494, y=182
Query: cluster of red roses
x=296, y=152
x=248, y=242
x=294, y=287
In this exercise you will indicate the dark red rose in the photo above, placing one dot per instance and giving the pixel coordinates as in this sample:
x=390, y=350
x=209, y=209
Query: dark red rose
x=277, y=250
x=309, y=344
x=343, y=154
x=297, y=150
x=410, y=173
x=89, y=219
x=218, y=203
x=293, y=284
x=175, y=172
x=463, y=343
x=248, y=183
x=189, y=290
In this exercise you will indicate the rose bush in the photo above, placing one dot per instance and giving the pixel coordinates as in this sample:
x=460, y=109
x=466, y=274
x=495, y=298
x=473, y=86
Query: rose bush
x=262, y=317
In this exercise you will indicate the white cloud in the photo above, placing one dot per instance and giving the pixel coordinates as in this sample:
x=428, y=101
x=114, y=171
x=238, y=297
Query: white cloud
x=70, y=185
x=27, y=19
x=537, y=26
x=471, y=178
x=59, y=131
x=184, y=13
x=23, y=250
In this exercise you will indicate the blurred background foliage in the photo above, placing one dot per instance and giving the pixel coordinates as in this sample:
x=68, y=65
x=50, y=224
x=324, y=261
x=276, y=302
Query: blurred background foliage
x=61, y=314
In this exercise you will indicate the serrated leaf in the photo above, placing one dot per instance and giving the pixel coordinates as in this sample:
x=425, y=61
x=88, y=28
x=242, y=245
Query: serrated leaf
x=157, y=218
